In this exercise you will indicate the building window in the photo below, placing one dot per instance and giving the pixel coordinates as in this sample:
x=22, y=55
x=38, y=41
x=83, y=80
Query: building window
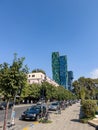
x=29, y=75
x=33, y=75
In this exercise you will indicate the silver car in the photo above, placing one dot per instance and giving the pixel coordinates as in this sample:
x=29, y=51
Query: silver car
x=54, y=106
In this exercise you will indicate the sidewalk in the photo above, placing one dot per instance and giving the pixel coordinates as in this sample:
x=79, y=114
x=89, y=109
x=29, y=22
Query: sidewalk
x=67, y=120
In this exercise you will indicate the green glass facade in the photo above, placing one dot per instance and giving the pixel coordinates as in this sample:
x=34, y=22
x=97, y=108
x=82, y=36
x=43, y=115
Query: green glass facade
x=63, y=71
x=60, y=72
x=59, y=69
x=55, y=67
x=70, y=79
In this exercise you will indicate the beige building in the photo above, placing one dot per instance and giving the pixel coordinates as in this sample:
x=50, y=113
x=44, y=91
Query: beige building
x=39, y=77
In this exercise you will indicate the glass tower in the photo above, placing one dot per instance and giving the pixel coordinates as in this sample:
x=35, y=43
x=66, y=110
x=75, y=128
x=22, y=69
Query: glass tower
x=63, y=71
x=70, y=79
x=59, y=69
x=55, y=67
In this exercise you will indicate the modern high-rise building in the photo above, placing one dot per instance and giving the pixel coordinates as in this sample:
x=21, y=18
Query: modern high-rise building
x=59, y=69
x=63, y=71
x=56, y=67
x=60, y=72
x=70, y=79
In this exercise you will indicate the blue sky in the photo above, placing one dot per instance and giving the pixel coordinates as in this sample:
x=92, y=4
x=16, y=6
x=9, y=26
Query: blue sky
x=35, y=28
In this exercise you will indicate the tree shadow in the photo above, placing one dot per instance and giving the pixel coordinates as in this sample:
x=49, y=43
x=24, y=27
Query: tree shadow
x=81, y=115
x=75, y=120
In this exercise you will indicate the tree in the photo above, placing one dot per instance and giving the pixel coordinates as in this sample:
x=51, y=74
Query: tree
x=84, y=85
x=38, y=70
x=76, y=90
x=48, y=91
x=31, y=90
x=12, y=79
x=82, y=93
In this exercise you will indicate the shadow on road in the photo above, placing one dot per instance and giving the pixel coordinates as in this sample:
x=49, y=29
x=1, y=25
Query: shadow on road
x=75, y=120
x=80, y=114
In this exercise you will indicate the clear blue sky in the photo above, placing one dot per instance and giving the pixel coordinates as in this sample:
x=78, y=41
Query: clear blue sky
x=35, y=28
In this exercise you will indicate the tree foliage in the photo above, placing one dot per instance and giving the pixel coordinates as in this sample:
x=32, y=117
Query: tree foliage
x=38, y=70
x=31, y=90
x=55, y=93
x=12, y=77
x=47, y=91
x=89, y=108
x=84, y=88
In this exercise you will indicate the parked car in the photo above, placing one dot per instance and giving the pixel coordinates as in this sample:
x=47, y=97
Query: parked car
x=2, y=107
x=63, y=105
x=54, y=106
x=34, y=113
x=4, y=104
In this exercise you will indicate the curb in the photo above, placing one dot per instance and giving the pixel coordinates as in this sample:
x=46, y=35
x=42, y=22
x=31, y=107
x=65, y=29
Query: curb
x=23, y=105
x=93, y=123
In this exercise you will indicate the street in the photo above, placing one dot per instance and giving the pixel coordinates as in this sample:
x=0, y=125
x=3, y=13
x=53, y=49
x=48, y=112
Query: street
x=67, y=120
x=18, y=110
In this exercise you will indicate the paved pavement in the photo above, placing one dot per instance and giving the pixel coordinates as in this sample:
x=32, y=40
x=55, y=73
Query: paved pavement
x=67, y=120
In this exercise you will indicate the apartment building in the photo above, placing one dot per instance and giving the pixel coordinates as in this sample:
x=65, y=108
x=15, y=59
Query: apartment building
x=39, y=77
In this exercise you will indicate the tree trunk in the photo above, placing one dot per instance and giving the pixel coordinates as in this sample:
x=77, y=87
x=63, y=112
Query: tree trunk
x=5, y=116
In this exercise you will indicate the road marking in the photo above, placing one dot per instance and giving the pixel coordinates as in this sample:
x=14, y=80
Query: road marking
x=36, y=122
x=31, y=125
x=26, y=128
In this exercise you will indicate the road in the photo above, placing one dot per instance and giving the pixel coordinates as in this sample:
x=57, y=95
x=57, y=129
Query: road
x=18, y=110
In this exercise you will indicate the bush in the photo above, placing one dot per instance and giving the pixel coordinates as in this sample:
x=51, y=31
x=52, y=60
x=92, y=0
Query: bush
x=82, y=101
x=44, y=121
x=89, y=108
x=85, y=120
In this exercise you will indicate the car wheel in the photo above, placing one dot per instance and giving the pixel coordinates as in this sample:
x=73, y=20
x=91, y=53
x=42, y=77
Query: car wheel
x=21, y=118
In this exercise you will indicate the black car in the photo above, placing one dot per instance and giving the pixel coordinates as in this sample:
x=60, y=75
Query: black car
x=34, y=113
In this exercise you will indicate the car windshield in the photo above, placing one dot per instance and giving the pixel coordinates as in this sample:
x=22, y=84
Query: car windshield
x=35, y=108
x=54, y=104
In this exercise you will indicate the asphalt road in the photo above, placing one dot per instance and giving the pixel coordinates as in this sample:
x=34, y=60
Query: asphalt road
x=18, y=111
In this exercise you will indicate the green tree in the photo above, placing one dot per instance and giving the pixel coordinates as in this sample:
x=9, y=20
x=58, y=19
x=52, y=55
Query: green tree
x=48, y=91
x=31, y=90
x=38, y=70
x=12, y=79
x=82, y=93
x=89, y=108
x=76, y=90
x=84, y=85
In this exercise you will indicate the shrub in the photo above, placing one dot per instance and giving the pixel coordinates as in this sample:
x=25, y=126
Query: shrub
x=89, y=108
x=82, y=101
x=85, y=120
x=44, y=121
